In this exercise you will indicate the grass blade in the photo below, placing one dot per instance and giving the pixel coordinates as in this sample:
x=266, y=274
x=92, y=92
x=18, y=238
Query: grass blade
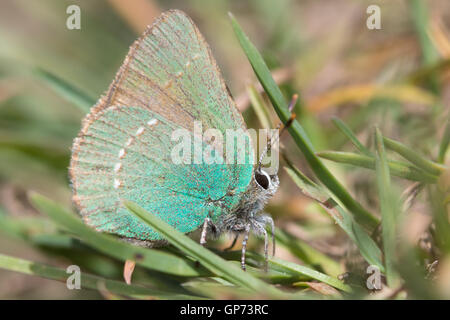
x=215, y=289
x=259, y=106
x=211, y=261
x=367, y=247
x=412, y=156
x=398, y=169
x=88, y=281
x=66, y=90
x=308, y=254
x=297, y=132
x=311, y=273
x=444, y=143
x=388, y=211
x=439, y=205
x=149, y=258
x=419, y=14
x=288, y=269
x=351, y=136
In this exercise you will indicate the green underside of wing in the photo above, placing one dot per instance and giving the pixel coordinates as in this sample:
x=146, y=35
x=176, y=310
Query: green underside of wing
x=180, y=194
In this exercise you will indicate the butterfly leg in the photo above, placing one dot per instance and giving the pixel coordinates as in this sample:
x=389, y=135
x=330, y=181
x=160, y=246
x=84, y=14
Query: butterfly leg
x=232, y=244
x=244, y=245
x=267, y=220
x=204, y=231
x=266, y=250
x=272, y=231
x=259, y=226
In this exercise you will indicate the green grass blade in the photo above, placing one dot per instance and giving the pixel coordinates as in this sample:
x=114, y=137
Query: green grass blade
x=288, y=269
x=297, y=132
x=209, y=260
x=388, y=211
x=412, y=156
x=217, y=290
x=66, y=90
x=439, y=207
x=351, y=136
x=308, y=254
x=256, y=260
x=398, y=169
x=414, y=275
x=272, y=275
x=88, y=281
x=311, y=273
x=444, y=143
x=259, y=106
x=420, y=18
x=149, y=258
x=367, y=247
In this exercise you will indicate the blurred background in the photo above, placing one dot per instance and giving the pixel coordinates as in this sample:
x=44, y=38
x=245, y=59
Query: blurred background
x=396, y=77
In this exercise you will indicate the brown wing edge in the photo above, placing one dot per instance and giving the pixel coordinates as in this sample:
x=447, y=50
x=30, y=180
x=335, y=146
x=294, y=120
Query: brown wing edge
x=103, y=103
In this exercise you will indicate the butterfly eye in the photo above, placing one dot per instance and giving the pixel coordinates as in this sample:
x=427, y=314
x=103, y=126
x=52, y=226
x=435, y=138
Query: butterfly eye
x=263, y=179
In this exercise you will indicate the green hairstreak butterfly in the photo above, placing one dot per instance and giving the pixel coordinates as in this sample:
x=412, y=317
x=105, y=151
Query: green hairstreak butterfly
x=168, y=81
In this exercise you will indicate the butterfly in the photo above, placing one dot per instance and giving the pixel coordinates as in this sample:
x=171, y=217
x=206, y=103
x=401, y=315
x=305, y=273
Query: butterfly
x=168, y=81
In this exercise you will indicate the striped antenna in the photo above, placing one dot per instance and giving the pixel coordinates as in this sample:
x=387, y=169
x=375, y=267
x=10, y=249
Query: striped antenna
x=288, y=124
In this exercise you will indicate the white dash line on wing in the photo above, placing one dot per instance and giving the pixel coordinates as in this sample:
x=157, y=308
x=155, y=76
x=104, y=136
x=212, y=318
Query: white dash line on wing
x=117, y=183
x=129, y=142
x=122, y=153
x=140, y=131
x=152, y=122
x=117, y=167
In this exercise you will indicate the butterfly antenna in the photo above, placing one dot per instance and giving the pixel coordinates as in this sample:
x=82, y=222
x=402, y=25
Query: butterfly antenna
x=288, y=124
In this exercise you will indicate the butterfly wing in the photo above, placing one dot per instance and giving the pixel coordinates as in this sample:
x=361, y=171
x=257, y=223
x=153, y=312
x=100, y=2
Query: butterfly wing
x=168, y=80
x=171, y=70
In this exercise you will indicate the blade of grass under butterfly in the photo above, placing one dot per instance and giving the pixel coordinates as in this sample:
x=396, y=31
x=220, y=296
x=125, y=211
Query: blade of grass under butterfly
x=215, y=290
x=287, y=269
x=297, y=132
x=307, y=253
x=412, y=156
x=368, y=248
x=272, y=275
x=389, y=212
x=149, y=258
x=398, y=169
x=88, y=281
x=351, y=136
x=66, y=90
x=209, y=260
x=311, y=273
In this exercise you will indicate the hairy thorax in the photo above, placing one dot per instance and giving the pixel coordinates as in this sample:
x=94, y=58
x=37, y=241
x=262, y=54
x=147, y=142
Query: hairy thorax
x=248, y=213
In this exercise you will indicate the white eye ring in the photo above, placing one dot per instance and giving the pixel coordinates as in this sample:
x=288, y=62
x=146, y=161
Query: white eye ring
x=262, y=178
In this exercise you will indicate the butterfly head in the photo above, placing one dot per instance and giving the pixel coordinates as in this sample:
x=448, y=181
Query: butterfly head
x=265, y=182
